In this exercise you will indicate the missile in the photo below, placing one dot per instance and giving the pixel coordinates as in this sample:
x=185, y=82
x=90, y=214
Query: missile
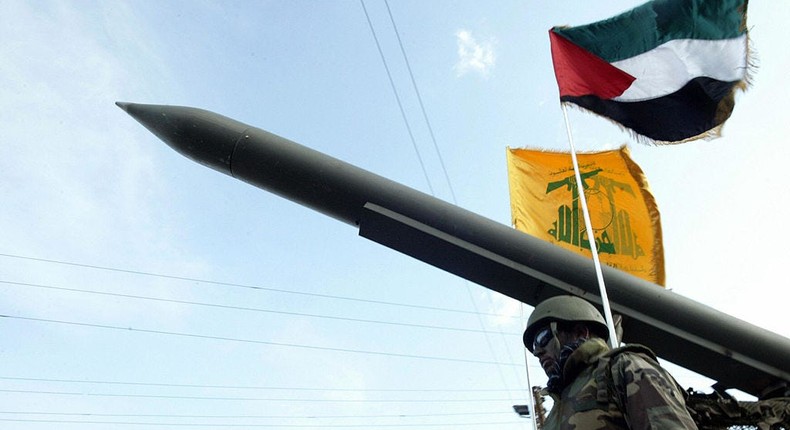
x=697, y=337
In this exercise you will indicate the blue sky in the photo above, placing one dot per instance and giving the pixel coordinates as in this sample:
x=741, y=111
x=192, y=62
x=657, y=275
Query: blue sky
x=144, y=288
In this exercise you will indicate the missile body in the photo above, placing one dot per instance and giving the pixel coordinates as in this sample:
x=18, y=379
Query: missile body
x=731, y=351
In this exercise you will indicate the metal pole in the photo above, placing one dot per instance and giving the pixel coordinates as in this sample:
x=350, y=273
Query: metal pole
x=591, y=236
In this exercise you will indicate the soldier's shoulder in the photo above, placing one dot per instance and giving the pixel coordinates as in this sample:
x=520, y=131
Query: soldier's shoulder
x=628, y=351
x=623, y=364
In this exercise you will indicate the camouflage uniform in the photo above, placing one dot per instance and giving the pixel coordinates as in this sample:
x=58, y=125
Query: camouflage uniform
x=624, y=388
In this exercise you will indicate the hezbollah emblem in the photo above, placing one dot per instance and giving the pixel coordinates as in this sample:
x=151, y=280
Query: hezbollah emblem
x=544, y=199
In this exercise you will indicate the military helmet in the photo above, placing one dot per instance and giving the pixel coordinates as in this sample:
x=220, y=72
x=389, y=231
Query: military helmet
x=564, y=309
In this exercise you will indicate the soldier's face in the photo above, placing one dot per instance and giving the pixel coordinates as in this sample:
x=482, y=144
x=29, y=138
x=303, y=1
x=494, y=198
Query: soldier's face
x=547, y=347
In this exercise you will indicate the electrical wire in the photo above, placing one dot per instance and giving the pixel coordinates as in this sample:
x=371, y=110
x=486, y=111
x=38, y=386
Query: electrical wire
x=259, y=342
x=237, y=285
x=447, y=178
x=234, y=398
x=422, y=106
x=315, y=417
x=397, y=97
x=449, y=425
x=242, y=308
x=242, y=387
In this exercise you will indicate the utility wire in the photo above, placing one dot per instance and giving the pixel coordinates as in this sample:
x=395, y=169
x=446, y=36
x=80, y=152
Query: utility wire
x=315, y=417
x=242, y=387
x=448, y=425
x=397, y=97
x=257, y=399
x=259, y=342
x=422, y=106
x=449, y=183
x=252, y=287
x=242, y=308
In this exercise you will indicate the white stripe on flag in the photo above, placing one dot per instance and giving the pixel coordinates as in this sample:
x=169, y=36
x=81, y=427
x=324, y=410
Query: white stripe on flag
x=668, y=67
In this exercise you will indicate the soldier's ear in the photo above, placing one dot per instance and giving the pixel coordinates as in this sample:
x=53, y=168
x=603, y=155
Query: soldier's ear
x=581, y=331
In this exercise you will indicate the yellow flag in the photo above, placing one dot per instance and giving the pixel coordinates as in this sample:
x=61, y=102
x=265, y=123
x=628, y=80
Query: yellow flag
x=544, y=202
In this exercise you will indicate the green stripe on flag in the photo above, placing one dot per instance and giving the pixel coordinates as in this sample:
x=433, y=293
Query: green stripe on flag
x=652, y=24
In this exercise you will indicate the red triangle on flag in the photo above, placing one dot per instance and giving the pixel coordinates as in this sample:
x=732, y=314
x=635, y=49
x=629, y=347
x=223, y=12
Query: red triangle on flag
x=581, y=73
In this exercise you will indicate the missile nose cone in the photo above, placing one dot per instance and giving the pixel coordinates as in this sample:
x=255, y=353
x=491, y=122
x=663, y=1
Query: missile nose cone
x=205, y=137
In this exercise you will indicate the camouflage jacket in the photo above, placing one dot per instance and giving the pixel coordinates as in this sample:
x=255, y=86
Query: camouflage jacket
x=624, y=388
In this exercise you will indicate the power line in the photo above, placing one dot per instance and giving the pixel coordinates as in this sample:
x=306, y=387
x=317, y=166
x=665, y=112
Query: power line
x=257, y=425
x=397, y=97
x=446, y=176
x=232, y=398
x=259, y=342
x=242, y=308
x=237, y=285
x=315, y=417
x=422, y=106
x=242, y=387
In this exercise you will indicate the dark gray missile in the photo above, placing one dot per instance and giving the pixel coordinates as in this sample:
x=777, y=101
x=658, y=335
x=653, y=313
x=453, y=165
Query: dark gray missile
x=731, y=351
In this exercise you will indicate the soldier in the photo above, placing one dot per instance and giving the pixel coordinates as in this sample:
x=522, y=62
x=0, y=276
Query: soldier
x=593, y=386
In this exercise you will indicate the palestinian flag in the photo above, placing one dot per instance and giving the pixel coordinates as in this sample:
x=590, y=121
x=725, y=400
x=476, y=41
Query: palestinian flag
x=667, y=70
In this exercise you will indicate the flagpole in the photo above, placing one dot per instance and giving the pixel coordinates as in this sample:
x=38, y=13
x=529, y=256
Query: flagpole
x=530, y=396
x=590, y=235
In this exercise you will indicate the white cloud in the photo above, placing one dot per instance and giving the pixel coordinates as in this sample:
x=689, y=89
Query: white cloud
x=474, y=56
